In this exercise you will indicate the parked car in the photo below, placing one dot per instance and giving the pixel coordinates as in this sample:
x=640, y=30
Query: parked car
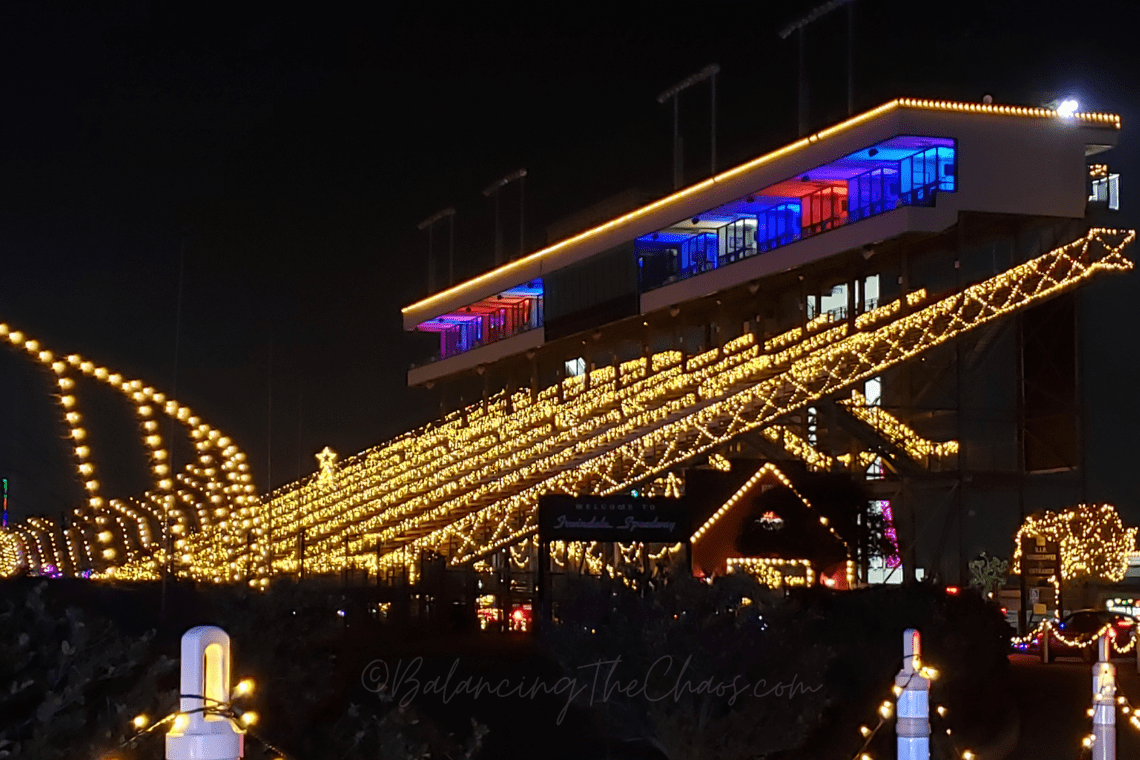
x=1075, y=634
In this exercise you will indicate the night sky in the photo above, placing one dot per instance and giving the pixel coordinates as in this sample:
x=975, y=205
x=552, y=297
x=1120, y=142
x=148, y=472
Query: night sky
x=282, y=160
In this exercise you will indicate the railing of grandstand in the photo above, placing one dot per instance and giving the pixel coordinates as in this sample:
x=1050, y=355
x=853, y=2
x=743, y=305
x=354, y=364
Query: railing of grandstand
x=912, y=181
x=505, y=322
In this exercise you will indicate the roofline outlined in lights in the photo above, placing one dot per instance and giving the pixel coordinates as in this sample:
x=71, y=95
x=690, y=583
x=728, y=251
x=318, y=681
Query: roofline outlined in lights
x=521, y=265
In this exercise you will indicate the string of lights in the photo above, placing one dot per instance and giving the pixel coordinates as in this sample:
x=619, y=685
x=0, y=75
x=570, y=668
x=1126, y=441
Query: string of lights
x=240, y=718
x=1094, y=542
x=897, y=432
x=98, y=541
x=887, y=708
x=701, y=425
x=734, y=352
x=1082, y=641
x=468, y=485
x=701, y=363
x=774, y=572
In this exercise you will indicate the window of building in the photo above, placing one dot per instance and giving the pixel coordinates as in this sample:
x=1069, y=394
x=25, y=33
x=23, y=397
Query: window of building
x=500, y=316
x=873, y=391
x=904, y=170
x=834, y=302
x=1106, y=190
x=870, y=292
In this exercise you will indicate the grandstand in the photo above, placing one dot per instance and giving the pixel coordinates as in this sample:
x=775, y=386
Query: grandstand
x=850, y=302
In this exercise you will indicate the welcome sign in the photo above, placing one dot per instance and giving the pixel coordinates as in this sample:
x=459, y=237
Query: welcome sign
x=621, y=519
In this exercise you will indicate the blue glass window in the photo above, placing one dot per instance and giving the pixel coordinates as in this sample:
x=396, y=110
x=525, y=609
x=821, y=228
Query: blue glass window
x=906, y=170
x=778, y=226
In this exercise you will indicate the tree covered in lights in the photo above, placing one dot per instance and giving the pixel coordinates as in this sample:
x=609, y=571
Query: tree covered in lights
x=1094, y=543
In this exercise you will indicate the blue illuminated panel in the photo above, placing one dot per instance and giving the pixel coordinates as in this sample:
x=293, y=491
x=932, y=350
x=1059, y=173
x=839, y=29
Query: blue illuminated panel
x=873, y=192
x=501, y=316
x=923, y=173
x=779, y=226
x=903, y=171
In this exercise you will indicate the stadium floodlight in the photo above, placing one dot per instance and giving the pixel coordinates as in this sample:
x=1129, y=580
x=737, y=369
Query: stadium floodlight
x=708, y=72
x=798, y=26
x=503, y=182
x=1067, y=107
x=493, y=190
x=427, y=224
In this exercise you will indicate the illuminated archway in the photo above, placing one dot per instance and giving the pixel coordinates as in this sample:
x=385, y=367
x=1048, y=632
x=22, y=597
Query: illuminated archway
x=175, y=523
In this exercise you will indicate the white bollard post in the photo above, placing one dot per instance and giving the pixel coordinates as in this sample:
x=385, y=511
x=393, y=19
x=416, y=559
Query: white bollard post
x=1104, y=703
x=205, y=683
x=912, y=726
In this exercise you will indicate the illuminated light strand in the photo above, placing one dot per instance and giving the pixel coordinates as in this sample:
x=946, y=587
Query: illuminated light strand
x=887, y=707
x=1082, y=642
x=704, y=361
x=849, y=360
x=590, y=556
x=888, y=310
x=1093, y=541
x=12, y=557
x=465, y=455
x=671, y=486
x=743, y=341
x=898, y=432
x=813, y=457
x=769, y=571
x=79, y=546
x=610, y=447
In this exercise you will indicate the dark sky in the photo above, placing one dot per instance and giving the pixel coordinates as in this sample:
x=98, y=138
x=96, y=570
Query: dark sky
x=285, y=158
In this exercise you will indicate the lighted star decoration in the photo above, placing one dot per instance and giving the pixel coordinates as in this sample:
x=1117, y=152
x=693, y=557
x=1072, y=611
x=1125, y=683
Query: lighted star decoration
x=327, y=461
x=468, y=484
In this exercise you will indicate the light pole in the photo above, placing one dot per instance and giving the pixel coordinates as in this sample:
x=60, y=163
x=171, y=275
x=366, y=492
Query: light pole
x=427, y=224
x=493, y=189
x=798, y=26
x=353, y=537
x=301, y=546
x=708, y=72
